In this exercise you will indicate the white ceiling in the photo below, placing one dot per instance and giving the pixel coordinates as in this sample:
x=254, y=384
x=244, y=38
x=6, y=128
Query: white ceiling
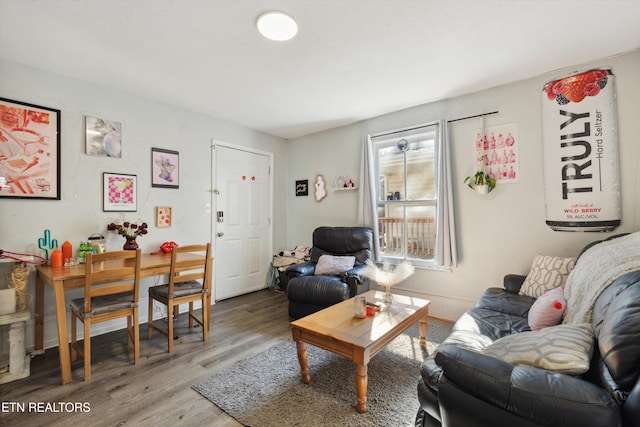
x=351, y=60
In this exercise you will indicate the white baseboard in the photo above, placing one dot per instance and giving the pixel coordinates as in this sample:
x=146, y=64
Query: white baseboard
x=442, y=306
x=51, y=326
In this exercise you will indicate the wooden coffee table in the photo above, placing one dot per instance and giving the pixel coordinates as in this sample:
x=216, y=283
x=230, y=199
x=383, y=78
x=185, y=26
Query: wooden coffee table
x=337, y=330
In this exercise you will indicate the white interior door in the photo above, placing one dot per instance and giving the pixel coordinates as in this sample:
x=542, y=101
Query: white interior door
x=242, y=228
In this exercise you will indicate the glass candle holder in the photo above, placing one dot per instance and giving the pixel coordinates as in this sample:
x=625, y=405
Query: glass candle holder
x=360, y=307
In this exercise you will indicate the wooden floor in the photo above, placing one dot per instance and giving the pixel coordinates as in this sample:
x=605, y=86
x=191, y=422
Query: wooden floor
x=157, y=391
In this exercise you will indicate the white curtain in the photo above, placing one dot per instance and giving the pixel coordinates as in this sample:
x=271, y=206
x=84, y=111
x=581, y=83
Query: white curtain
x=367, y=210
x=446, y=252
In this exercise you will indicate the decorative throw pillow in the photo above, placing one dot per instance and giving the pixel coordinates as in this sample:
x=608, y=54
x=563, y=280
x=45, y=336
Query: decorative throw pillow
x=547, y=272
x=561, y=348
x=547, y=310
x=333, y=265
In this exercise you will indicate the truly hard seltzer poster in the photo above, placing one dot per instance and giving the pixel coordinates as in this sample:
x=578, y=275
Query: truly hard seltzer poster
x=580, y=145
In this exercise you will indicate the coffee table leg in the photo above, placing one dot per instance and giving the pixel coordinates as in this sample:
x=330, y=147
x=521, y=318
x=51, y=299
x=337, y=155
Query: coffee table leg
x=304, y=362
x=423, y=331
x=361, y=386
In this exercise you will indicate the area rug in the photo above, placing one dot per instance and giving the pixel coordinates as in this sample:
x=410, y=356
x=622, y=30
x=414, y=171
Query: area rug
x=265, y=390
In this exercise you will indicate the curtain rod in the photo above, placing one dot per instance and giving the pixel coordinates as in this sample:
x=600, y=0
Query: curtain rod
x=472, y=117
x=378, y=135
x=425, y=125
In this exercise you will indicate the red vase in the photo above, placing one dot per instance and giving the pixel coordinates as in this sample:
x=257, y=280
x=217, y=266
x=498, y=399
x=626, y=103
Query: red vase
x=130, y=244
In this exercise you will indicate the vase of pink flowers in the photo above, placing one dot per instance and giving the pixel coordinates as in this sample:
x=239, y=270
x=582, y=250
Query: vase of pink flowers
x=130, y=231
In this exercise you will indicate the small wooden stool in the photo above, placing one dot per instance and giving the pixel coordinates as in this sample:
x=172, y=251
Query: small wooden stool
x=19, y=360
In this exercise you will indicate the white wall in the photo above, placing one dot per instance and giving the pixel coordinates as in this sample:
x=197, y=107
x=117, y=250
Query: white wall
x=146, y=124
x=498, y=234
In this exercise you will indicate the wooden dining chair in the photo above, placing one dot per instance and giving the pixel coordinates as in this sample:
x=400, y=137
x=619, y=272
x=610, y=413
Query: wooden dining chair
x=111, y=291
x=188, y=282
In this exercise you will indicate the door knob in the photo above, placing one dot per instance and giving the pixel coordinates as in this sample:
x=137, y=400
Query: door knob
x=220, y=234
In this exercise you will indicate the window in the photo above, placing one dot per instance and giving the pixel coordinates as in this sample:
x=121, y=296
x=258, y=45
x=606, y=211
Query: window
x=406, y=168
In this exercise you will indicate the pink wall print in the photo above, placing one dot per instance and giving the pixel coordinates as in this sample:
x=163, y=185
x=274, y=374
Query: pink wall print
x=496, y=150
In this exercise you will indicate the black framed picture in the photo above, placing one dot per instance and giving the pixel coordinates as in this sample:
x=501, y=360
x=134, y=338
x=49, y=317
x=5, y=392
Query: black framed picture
x=29, y=151
x=165, y=168
x=119, y=192
x=302, y=187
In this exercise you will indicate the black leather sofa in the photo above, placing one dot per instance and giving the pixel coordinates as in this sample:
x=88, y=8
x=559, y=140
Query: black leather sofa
x=307, y=292
x=461, y=387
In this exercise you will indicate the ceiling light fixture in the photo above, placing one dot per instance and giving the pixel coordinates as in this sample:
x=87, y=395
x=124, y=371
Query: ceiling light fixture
x=277, y=26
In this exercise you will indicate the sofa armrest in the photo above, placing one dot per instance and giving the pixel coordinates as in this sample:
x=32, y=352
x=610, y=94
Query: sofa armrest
x=513, y=282
x=355, y=276
x=480, y=375
x=544, y=397
x=304, y=269
x=355, y=280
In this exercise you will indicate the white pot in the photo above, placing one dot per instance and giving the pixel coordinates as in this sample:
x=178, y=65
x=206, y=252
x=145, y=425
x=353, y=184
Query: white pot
x=483, y=189
x=7, y=301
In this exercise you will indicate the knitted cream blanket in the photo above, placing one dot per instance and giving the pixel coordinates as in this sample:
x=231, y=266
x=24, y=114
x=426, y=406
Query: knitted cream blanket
x=595, y=270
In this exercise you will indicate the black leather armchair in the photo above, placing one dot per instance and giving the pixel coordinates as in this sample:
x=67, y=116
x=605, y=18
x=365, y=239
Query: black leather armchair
x=308, y=292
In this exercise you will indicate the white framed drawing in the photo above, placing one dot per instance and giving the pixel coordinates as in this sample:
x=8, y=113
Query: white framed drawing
x=103, y=137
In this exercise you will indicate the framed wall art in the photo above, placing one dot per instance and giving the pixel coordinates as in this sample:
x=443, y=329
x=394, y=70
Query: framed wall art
x=165, y=168
x=302, y=187
x=119, y=192
x=103, y=137
x=29, y=151
x=497, y=149
x=163, y=216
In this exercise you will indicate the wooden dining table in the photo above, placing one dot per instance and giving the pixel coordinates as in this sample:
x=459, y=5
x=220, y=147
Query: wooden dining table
x=62, y=279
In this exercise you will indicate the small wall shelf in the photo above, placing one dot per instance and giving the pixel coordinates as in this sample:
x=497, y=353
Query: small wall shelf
x=344, y=183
